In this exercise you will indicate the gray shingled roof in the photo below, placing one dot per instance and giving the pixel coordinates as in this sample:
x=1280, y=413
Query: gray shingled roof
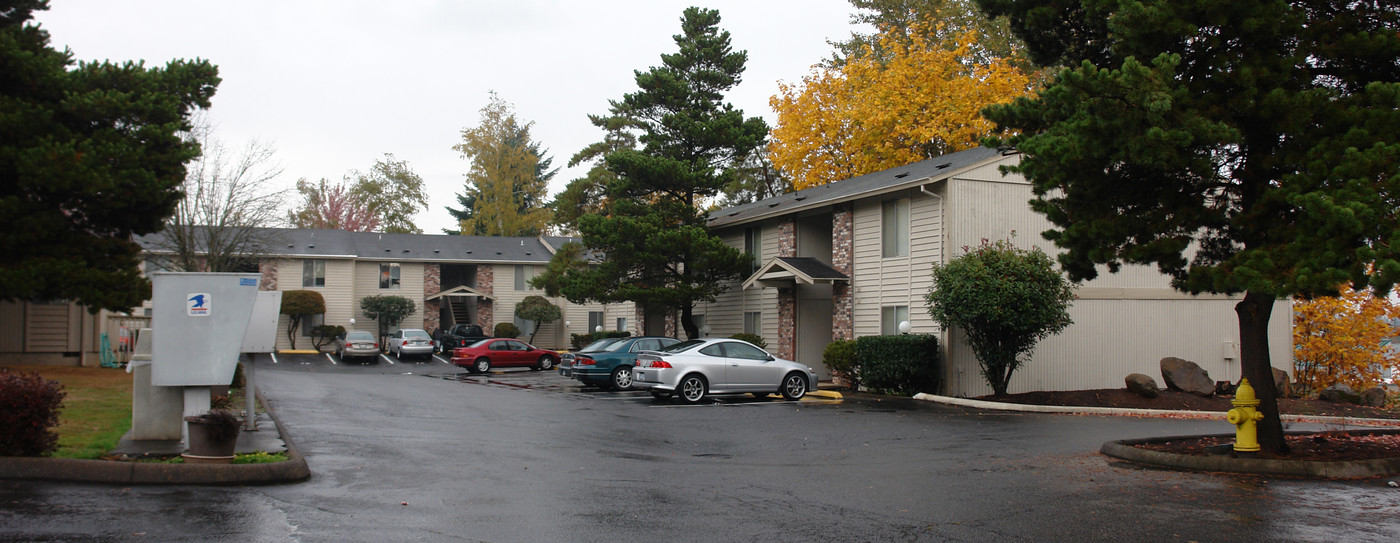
x=854, y=187
x=303, y=242
x=812, y=267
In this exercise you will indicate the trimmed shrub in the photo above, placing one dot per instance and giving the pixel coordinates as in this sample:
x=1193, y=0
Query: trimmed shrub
x=904, y=364
x=29, y=407
x=506, y=329
x=325, y=334
x=751, y=338
x=840, y=358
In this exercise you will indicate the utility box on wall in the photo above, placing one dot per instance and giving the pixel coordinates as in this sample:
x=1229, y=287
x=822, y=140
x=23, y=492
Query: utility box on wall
x=199, y=321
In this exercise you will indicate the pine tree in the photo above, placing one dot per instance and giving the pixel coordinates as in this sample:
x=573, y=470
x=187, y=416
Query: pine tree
x=89, y=157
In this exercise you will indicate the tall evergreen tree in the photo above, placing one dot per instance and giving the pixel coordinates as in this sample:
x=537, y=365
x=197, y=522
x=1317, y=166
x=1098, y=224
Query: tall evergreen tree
x=658, y=251
x=508, y=179
x=89, y=157
x=1241, y=147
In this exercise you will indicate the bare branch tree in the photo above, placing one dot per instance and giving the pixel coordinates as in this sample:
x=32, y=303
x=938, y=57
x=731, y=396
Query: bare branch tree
x=231, y=200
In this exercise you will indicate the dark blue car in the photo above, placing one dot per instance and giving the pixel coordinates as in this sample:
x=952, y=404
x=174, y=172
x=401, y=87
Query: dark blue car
x=611, y=366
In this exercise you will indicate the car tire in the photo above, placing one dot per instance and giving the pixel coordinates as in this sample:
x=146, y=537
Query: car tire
x=660, y=395
x=794, y=386
x=546, y=362
x=691, y=389
x=481, y=365
x=621, y=378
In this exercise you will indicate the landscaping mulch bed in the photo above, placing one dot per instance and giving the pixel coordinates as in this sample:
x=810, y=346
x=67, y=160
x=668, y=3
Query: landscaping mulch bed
x=1184, y=401
x=1324, y=446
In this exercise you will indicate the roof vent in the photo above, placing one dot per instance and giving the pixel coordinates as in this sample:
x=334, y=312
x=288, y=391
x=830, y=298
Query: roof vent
x=312, y=246
x=800, y=198
x=944, y=165
x=528, y=253
x=387, y=250
x=774, y=204
x=733, y=213
x=405, y=251
x=498, y=252
x=435, y=251
x=469, y=251
x=901, y=175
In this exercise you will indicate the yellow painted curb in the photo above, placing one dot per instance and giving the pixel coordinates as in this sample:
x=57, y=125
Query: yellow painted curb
x=299, y=351
x=831, y=394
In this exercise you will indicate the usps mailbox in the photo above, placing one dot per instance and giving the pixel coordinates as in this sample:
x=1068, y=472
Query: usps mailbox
x=200, y=321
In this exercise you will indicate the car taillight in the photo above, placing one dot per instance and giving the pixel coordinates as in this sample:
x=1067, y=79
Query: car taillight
x=584, y=361
x=405, y=343
x=658, y=364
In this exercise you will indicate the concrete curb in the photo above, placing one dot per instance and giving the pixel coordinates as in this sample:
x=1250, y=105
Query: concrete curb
x=138, y=473
x=1001, y=406
x=1343, y=469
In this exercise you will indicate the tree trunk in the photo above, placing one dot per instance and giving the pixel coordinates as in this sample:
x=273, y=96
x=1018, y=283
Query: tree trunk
x=1254, y=312
x=688, y=322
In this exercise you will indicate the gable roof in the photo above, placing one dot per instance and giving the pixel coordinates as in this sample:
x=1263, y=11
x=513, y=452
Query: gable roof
x=787, y=270
x=856, y=187
x=309, y=242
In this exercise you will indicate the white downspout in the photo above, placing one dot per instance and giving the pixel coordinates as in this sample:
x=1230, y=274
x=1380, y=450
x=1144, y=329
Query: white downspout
x=942, y=259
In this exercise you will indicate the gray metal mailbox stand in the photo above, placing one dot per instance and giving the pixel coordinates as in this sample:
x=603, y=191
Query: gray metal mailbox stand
x=199, y=321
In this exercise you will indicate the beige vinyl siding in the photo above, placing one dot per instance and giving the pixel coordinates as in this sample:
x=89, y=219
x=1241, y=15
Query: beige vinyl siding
x=47, y=328
x=897, y=281
x=1113, y=338
x=725, y=316
x=12, y=323
x=339, y=294
x=366, y=283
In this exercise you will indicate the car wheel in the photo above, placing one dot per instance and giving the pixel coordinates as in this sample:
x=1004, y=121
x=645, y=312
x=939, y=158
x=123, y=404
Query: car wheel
x=691, y=389
x=794, y=386
x=621, y=378
x=546, y=362
x=481, y=365
x=660, y=394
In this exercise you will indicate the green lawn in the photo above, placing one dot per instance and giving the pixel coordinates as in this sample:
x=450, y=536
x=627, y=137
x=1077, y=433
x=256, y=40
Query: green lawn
x=96, y=408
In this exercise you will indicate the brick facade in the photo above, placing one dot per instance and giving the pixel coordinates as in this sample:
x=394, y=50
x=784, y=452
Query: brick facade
x=268, y=269
x=485, y=308
x=787, y=237
x=432, y=284
x=787, y=297
x=843, y=303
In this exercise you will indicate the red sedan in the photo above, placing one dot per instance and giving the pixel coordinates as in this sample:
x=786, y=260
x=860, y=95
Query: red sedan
x=483, y=355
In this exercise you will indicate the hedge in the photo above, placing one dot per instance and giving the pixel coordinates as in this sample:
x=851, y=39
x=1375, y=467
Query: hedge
x=903, y=364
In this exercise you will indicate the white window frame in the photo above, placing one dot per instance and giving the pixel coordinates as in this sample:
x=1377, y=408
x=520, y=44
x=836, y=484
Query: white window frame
x=391, y=271
x=890, y=317
x=753, y=322
x=894, y=228
x=313, y=273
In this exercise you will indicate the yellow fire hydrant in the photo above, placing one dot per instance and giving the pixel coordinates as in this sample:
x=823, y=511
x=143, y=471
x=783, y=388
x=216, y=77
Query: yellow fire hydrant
x=1245, y=418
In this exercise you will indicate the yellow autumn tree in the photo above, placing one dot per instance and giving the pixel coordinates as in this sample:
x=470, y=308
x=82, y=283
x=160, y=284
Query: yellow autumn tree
x=1344, y=339
x=508, y=178
x=916, y=100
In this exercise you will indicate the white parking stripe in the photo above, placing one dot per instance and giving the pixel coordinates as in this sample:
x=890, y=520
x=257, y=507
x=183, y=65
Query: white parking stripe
x=439, y=359
x=386, y=357
x=329, y=357
x=274, y=357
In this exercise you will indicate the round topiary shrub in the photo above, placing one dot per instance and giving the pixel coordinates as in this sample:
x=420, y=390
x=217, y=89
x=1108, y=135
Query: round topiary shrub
x=507, y=329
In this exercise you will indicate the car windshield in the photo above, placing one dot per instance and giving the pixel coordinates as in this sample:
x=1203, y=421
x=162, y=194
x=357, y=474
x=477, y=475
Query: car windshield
x=417, y=334
x=682, y=346
x=600, y=345
x=359, y=336
x=480, y=343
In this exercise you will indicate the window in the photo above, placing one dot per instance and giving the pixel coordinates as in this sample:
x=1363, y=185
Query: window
x=389, y=275
x=522, y=277
x=890, y=317
x=894, y=227
x=753, y=323
x=526, y=326
x=753, y=246
x=744, y=350
x=595, y=319
x=621, y=324
x=699, y=324
x=310, y=322
x=313, y=273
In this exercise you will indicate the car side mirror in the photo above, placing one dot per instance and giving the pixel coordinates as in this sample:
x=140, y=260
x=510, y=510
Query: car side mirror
x=770, y=358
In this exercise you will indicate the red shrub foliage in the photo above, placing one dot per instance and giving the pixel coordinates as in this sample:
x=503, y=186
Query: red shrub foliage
x=28, y=414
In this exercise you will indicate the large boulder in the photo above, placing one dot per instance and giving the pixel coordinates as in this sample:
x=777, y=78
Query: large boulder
x=1281, y=388
x=1142, y=385
x=1186, y=376
x=1338, y=393
x=1374, y=397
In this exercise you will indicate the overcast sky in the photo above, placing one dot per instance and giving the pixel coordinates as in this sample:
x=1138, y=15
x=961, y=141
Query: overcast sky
x=333, y=85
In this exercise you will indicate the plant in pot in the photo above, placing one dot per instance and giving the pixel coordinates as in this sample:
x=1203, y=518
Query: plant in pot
x=213, y=436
